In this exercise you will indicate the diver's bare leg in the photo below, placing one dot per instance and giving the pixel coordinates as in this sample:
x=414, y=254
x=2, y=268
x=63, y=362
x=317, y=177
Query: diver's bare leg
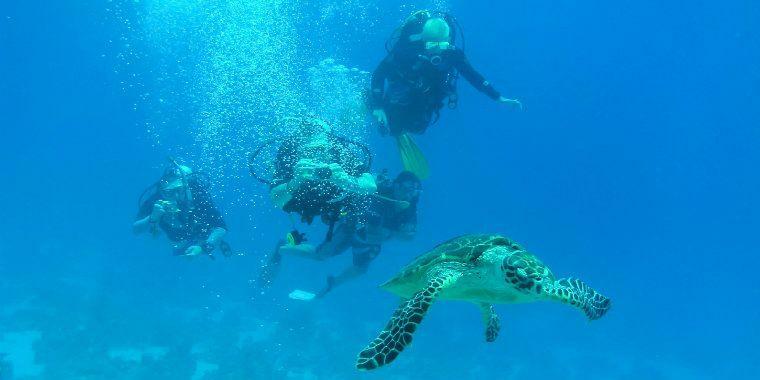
x=363, y=255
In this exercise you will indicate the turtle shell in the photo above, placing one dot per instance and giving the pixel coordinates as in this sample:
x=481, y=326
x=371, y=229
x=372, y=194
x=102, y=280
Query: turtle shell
x=462, y=249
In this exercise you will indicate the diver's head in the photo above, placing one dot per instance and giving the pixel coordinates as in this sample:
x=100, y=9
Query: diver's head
x=407, y=187
x=173, y=184
x=436, y=30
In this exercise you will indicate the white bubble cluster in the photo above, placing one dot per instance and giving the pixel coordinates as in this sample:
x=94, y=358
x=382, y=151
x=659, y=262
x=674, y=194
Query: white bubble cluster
x=219, y=77
x=337, y=95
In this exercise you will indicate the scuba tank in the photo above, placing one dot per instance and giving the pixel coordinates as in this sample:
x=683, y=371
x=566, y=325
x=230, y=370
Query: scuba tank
x=253, y=156
x=324, y=199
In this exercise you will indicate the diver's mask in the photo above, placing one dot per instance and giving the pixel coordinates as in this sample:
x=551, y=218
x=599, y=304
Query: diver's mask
x=174, y=195
x=438, y=45
x=174, y=183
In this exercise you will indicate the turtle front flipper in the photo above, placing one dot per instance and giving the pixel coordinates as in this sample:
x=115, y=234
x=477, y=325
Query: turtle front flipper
x=578, y=294
x=398, y=332
x=491, y=320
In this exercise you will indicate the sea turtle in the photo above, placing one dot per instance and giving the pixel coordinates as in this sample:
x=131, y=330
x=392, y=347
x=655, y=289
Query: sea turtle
x=483, y=269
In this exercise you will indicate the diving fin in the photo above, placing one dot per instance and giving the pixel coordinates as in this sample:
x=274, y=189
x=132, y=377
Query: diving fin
x=303, y=250
x=301, y=295
x=412, y=157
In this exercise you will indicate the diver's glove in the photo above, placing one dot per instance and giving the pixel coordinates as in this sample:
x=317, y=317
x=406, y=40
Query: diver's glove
x=512, y=102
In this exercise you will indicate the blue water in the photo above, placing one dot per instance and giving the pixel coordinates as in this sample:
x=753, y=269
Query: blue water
x=633, y=166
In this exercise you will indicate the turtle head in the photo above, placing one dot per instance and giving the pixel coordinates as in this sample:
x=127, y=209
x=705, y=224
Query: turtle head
x=524, y=272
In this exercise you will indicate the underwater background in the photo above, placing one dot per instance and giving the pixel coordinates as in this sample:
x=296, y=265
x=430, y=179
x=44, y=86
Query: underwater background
x=633, y=166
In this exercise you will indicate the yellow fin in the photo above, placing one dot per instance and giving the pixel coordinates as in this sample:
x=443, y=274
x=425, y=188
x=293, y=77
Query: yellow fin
x=412, y=157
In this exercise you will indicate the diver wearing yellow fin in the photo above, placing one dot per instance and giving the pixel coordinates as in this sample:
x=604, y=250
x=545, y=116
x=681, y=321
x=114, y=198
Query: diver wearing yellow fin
x=411, y=156
x=390, y=214
x=317, y=174
x=420, y=71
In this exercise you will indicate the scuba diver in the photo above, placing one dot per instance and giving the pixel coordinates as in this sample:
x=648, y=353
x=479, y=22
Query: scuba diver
x=390, y=214
x=410, y=85
x=316, y=174
x=182, y=208
x=315, y=168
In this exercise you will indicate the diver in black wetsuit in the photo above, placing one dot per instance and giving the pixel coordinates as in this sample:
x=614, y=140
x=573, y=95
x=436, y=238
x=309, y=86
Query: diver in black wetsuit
x=393, y=215
x=182, y=208
x=420, y=71
x=389, y=214
x=315, y=171
x=316, y=174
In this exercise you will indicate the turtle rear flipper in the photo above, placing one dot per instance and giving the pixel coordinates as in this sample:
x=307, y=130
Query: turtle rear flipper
x=491, y=320
x=578, y=294
x=398, y=332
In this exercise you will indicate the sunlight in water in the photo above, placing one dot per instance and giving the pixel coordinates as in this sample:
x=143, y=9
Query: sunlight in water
x=227, y=73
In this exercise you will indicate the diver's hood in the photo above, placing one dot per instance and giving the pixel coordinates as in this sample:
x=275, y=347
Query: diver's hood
x=176, y=178
x=173, y=184
x=434, y=30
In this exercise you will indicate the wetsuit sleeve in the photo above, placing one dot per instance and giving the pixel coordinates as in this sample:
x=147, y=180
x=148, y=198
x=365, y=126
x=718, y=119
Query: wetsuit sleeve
x=146, y=208
x=378, y=82
x=475, y=78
